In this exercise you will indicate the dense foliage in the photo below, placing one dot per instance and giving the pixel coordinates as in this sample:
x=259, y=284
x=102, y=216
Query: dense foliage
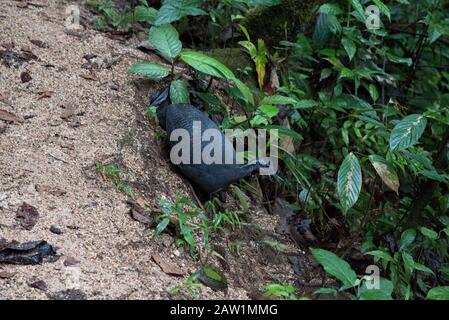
x=362, y=110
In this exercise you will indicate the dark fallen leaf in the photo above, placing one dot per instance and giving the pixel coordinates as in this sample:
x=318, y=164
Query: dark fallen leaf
x=89, y=76
x=27, y=215
x=70, y=261
x=47, y=189
x=38, y=284
x=34, y=252
x=213, y=278
x=39, y=43
x=44, y=94
x=9, y=117
x=139, y=214
x=6, y=275
x=25, y=77
x=297, y=264
x=89, y=56
x=167, y=267
x=27, y=55
x=55, y=230
x=145, y=219
x=89, y=65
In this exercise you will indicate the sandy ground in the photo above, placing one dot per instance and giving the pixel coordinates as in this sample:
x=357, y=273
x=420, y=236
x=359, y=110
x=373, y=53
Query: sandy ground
x=104, y=122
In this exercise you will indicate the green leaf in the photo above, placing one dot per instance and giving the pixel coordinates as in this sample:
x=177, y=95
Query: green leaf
x=243, y=88
x=162, y=226
x=179, y=92
x=206, y=64
x=407, y=132
x=145, y=14
x=429, y=233
x=358, y=7
x=174, y=10
x=383, y=8
x=335, y=266
x=213, y=278
x=349, y=46
x=264, y=113
x=381, y=254
x=396, y=59
x=165, y=40
x=278, y=100
x=306, y=104
x=407, y=238
x=349, y=182
x=151, y=70
x=423, y=268
x=438, y=293
x=386, y=172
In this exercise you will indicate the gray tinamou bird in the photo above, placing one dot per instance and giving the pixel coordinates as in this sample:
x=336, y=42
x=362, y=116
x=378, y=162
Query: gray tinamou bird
x=210, y=178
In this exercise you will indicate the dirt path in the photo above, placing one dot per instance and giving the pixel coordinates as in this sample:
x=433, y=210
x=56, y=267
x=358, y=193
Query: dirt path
x=49, y=160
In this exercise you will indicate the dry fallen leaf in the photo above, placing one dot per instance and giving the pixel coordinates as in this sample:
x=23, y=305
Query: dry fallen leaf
x=39, y=43
x=6, y=275
x=166, y=267
x=89, y=76
x=25, y=77
x=9, y=117
x=27, y=215
x=44, y=94
x=141, y=202
x=47, y=189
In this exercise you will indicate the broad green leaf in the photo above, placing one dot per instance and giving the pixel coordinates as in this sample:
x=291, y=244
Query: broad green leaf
x=206, y=64
x=284, y=131
x=145, y=14
x=264, y=113
x=396, y=59
x=150, y=70
x=278, y=100
x=407, y=238
x=306, y=104
x=243, y=88
x=438, y=293
x=349, y=182
x=374, y=93
x=165, y=40
x=409, y=262
x=179, y=92
x=213, y=278
x=335, y=266
x=381, y=254
x=349, y=46
x=358, y=8
x=423, y=268
x=407, y=132
x=429, y=233
x=174, y=10
x=383, y=8
x=386, y=172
